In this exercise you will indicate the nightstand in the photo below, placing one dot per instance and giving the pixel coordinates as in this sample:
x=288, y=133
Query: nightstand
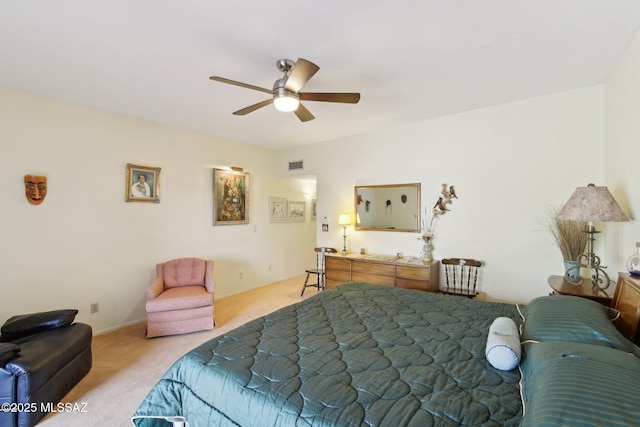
x=561, y=286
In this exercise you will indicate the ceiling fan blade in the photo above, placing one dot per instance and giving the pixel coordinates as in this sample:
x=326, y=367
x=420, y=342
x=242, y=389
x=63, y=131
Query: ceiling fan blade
x=303, y=114
x=348, y=98
x=301, y=72
x=245, y=85
x=253, y=107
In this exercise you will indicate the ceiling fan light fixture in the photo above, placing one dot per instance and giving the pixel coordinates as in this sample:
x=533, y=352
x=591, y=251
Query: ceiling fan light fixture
x=286, y=92
x=286, y=101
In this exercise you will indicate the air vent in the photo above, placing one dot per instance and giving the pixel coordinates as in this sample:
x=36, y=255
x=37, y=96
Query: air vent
x=297, y=165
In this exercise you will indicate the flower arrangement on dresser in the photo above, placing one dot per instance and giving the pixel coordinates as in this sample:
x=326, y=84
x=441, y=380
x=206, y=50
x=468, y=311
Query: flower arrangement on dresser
x=440, y=208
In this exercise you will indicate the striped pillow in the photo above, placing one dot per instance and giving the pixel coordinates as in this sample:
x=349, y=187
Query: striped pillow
x=568, y=318
x=577, y=384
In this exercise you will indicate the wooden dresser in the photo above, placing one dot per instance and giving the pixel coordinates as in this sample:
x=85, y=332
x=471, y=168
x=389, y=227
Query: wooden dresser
x=408, y=273
x=627, y=301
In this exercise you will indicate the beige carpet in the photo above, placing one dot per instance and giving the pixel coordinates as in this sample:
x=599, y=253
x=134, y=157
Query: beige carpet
x=126, y=365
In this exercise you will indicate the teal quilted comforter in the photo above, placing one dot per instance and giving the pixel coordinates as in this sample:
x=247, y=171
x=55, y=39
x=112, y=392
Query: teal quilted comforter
x=355, y=355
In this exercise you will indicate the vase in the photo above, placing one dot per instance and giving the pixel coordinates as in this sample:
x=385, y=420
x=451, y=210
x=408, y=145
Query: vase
x=426, y=253
x=633, y=262
x=572, y=271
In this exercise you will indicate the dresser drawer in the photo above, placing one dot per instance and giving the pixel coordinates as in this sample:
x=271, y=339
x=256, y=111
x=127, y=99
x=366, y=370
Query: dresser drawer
x=335, y=263
x=406, y=272
x=373, y=278
x=338, y=275
x=374, y=268
x=421, y=285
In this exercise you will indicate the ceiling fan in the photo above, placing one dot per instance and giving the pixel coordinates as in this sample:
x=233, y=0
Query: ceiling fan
x=286, y=95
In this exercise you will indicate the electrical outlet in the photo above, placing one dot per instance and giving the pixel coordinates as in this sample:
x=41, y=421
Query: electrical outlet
x=269, y=268
x=242, y=274
x=95, y=307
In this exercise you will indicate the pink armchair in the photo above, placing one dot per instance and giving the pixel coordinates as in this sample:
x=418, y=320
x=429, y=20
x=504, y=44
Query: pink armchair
x=180, y=300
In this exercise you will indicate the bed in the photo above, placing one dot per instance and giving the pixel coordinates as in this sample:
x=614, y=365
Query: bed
x=369, y=355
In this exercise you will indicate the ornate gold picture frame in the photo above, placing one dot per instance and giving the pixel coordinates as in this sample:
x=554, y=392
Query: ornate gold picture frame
x=143, y=184
x=230, y=197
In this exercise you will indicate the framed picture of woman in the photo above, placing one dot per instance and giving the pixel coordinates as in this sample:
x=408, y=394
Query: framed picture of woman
x=230, y=197
x=143, y=184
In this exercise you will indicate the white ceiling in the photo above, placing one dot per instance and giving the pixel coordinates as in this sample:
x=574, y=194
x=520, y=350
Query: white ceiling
x=410, y=60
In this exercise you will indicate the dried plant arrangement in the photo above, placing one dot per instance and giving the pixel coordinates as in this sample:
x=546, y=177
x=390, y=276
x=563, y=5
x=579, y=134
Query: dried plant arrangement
x=568, y=235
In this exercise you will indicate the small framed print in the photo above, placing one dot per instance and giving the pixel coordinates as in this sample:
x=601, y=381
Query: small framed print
x=314, y=209
x=277, y=209
x=143, y=184
x=296, y=211
x=230, y=197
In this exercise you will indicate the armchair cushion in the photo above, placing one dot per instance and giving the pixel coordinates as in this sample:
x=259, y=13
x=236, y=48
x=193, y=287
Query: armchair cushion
x=27, y=324
x=181, y=298
x=7, y=352
x=184, y=272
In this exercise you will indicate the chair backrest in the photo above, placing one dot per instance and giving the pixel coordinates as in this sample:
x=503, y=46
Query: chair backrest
x=182, y=272
x=461, y=276
x=320, y=253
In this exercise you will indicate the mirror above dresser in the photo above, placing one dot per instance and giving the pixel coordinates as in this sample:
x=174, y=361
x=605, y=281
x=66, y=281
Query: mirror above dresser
x=393, y=207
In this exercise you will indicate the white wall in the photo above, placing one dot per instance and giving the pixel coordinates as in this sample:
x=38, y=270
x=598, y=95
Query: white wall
x=85, y=244
x=508, y=163
x=622, y=94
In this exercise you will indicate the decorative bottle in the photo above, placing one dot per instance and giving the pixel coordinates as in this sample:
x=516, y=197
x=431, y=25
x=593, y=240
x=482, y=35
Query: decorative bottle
x=633, y=263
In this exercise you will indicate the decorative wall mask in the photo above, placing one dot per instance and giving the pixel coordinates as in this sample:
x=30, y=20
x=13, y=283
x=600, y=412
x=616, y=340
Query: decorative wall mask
x=35, y=188
x=403, y=198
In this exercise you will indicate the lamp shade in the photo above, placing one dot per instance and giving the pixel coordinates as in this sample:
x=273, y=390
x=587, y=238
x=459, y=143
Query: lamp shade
x=344, y=219
x=286, y=101
x=592, y=203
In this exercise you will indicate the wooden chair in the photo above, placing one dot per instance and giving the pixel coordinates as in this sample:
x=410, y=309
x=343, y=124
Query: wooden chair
x=319, y=270
x=461, y=276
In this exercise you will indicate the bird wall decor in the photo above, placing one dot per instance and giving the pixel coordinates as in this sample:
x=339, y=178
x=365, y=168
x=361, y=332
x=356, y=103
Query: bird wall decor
x=448, y=194
x=440, y=208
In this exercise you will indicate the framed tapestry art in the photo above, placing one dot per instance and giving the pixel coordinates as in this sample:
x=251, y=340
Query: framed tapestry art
x=296, y=211
x=230, y=197
x=277, y=209
x=143, y=183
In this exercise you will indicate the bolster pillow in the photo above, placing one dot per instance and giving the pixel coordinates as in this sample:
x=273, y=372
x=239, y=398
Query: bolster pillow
x=503, y=344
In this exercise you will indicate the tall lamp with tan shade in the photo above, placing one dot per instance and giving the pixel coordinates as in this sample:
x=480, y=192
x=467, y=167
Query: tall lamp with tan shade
x=592, y=204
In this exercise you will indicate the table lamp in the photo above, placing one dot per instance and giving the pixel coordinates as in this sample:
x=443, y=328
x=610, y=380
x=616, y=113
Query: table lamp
x=590, y=204
x=344, y=219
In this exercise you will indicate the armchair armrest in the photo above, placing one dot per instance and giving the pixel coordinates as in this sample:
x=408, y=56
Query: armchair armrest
x=155, y=289
x=208, y=277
